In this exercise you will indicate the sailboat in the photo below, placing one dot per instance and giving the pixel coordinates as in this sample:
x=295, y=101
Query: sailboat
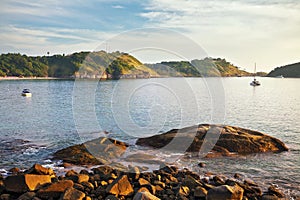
x=255, y=82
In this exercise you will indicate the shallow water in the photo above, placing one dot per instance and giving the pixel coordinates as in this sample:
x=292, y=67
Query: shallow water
x=65, y=112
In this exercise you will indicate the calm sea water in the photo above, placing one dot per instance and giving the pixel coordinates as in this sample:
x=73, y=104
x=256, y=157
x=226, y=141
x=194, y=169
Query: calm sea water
x=65, y=112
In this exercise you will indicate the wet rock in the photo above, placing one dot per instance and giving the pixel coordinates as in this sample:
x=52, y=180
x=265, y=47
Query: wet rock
x=55, y=190
x=145, y=196
x=26, y=196
x=72, y=193
x=120, y=186
x=201, y=164
x=40, y=170
x=276, y=191
x=225, y=192
x=26, y=182
x=229, y=139
x=96, y=152
x=14, y=170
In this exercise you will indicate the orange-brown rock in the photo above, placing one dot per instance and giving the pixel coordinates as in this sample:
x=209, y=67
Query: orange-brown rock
x=120, y=186
x=95, y=152
x=26, y=182
x=218, y=140
x=40, y=170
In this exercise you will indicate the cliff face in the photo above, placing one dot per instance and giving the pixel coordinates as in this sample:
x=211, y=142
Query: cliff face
x=289, y=71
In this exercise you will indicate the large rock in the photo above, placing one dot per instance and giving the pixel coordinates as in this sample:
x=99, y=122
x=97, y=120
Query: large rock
x=225, y=192
x=95, y=152
x=120, y=186
x=217, y=140
x=55, y=190
x=40, y=170
x=145, y=196
x=26, y=182
x=72, y=193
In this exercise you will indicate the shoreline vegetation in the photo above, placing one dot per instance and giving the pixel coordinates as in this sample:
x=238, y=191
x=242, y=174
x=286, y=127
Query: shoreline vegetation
x=108, y=179
x=114, y=65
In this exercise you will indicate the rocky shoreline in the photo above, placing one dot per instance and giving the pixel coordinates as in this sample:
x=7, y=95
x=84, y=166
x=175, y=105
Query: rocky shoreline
x=106, y=178
x=105, y=182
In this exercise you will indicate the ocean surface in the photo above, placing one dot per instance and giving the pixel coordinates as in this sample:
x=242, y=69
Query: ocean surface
x=61, y=113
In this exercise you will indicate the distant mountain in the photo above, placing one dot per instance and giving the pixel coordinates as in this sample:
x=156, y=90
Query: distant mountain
x=291, y=71
x=196, y=68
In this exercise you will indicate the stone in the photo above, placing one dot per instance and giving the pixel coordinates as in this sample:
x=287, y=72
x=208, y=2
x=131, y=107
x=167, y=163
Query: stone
x=72, y=193
x=79, y=178
x=145, y=196
x=14, y=170
x=225, y=192
x=55, y=190
x=120, y=186
x=95, y=152
x=143, y=181
x=201, y=164
x=200, y=192
x=26, y=196
x=276, y=191
x=229, y=140
x=184, y=191
x=191, y=182
x=40, y=170
x=25, y=182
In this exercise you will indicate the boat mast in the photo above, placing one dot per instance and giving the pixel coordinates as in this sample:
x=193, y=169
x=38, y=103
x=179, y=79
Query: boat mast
x=254, y=70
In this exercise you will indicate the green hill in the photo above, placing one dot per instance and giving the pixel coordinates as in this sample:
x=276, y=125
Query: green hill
x=83, y=64
x=196, y=68
x=288, y=71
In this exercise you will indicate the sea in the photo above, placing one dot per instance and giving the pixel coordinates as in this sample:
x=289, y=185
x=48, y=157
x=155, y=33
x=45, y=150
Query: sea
x=65, y=112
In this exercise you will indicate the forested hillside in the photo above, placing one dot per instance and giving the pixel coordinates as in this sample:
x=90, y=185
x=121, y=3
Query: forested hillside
x=292, y=71
x=197, y=68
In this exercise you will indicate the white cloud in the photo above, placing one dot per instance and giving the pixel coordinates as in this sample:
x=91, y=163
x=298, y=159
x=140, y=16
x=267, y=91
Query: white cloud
x=118, y=7
x=242, y=31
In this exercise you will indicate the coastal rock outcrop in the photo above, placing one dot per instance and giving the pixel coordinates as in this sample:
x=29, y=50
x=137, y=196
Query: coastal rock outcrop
x=96, y=152
x=214, y=140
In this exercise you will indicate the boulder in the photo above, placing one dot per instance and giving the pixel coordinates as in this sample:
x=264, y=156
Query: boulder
x=145, y=196
x=96, y=152
x=225, y=192
x=25, y=182
x=78, y=178
x=222, y=140
x=72, y=193
x=40, y=170
x=55, y=190
x=120, y=186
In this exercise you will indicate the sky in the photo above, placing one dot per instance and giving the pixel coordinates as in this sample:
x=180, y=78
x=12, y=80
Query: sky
x=243, y=32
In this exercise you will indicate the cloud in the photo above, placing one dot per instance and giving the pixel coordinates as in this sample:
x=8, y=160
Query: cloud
x=244, y=31
x=118, y=7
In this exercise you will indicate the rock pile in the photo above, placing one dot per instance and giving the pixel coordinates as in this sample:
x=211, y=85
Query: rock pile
x=105, y=182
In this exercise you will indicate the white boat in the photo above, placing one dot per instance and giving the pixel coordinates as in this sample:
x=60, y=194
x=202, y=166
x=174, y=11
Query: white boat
x=255, y=82
x=281, y=76
x=26, y=93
